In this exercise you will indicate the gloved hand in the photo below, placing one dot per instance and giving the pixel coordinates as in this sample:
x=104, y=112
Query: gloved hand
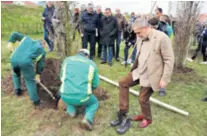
x=10, y=46
x=56, y=20
x=37, y=78
x=81, y=34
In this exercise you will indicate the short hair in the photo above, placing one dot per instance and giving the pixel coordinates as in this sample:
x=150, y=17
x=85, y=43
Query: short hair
x=108, y=9
x=84, y=52
x=166, y=18
x=140, y=23
x=98, y=7
x=153, y=21
x=160, y=10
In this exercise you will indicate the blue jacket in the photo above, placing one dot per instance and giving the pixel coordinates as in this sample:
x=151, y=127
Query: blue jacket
x=48, y=13
x=90, y=21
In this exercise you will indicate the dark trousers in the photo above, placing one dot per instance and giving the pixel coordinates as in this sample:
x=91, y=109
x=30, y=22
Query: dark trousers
x=49, y=43
x=204, y=51
x=118, y=41
x=91, y=38
x=126, y=51
x=99, y=46
x=144, y=96
x=110, y=53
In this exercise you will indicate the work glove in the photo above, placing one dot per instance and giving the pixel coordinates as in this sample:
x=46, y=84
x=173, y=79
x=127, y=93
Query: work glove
x=37, y=78
x=10, y=46
x=56, y=20
x=81, y=34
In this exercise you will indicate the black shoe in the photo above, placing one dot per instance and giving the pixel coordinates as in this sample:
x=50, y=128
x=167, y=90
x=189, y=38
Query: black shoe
x=204, y=99
x=119, y=119
x=103, y=62
x=117, y=59
x=18, y=92
x=162, y=92
x=125, y=125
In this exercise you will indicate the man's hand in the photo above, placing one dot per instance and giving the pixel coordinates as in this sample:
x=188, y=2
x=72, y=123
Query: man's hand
x=162, y=84
x=96, y=32
x=37, y=78
x=81, y=34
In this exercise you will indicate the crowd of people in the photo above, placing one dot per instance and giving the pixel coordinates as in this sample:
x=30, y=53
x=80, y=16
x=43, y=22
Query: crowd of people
x=151, y=66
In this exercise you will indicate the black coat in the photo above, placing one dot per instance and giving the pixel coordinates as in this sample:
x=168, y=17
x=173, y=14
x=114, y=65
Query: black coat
x=108, y=30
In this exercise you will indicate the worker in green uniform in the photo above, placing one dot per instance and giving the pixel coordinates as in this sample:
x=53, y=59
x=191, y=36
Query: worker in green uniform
x=22, y=61
x=79, y=77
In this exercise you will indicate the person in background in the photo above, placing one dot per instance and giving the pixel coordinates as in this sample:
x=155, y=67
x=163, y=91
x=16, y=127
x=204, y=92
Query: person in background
x=79, y=77
x=100, y=15
x=170, y=33
x=83, y=9
x=108, y=31
x=28, y=53
x=152, y=70
x=121, y=21
x=158, y=12
x=90, y=22
x=130, y=39
x=132, y=18
x=76, y=21
x=201, y=36
x=48, y=27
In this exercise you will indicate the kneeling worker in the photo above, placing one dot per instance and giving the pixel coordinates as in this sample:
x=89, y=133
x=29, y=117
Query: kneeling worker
x=22, y=61
x=79, y=77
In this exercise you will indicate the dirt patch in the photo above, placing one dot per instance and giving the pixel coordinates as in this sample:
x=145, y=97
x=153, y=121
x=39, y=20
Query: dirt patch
x=183, y=70
x=50, y=78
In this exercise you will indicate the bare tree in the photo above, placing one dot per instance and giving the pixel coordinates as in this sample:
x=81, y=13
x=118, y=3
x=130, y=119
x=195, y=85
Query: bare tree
x=187, y=14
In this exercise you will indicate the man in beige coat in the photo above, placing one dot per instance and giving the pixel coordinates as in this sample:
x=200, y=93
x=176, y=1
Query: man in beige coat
x=152, y=70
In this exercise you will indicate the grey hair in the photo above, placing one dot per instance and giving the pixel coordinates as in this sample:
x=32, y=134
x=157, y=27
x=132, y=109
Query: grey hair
x=140, y=23
x=98, y=7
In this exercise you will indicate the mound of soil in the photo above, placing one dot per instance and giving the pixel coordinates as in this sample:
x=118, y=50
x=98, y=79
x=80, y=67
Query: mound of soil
x=50, y=78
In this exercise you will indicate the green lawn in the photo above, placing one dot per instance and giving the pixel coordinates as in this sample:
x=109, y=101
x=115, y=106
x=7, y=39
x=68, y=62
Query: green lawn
x=20, y=119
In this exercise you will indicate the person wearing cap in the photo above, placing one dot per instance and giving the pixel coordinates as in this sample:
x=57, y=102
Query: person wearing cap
x=90, y=24
x=48, y=28
x=79, y=77
x=152, y=70
x=23, y=59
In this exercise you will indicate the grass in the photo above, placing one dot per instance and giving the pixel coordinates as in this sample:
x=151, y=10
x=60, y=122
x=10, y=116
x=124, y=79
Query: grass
x=20, y=119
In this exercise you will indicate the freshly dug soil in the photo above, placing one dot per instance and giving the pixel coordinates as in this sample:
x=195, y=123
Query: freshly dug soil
x=50, y=78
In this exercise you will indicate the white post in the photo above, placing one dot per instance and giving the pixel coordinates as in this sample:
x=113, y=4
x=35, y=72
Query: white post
x=167, y=106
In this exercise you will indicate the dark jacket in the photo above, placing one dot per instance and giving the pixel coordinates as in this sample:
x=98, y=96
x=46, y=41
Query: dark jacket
x=130, y=35
x=108, y=30
x=121, y=21
x=162, y=26
x=100, y=16
x=90, y=21
x=47, y=14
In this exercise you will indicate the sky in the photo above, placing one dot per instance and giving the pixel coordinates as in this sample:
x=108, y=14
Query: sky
x=137, y=6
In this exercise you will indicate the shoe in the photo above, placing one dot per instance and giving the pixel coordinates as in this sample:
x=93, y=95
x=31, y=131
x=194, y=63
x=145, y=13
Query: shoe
x=125, y=125
x=189, y=59
x=204, y=99
x=145, y=123
x=103, y=62
x=162, y=92
x=38, y=105
x=138, y=118
x=129, y=61
x=205, y=63
x=18, y=92
x=110, y=64
x=85, y=124
x=117, y=122
x=117, y=59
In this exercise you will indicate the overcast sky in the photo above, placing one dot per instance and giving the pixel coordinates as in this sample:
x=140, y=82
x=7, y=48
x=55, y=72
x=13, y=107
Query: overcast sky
x=136, y=5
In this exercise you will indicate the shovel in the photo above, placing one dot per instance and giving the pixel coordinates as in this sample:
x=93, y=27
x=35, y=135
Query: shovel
x=46, y=89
